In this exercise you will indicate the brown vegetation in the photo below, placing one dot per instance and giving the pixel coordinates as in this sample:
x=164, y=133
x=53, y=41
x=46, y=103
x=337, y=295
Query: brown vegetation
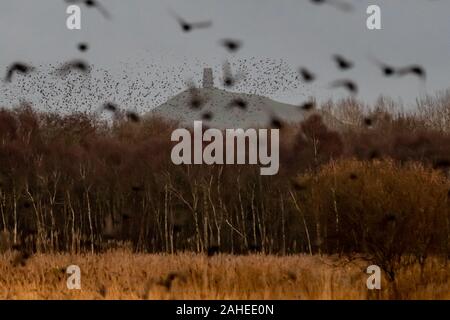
x=125, y=275
x=375, y=184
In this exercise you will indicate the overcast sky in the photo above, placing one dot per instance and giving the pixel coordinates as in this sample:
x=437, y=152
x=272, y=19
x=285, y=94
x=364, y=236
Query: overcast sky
x=296, y=32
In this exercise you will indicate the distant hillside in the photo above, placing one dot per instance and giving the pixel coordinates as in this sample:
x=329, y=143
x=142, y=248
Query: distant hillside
x=223, y=112
x=258, y=113
x=219, y=102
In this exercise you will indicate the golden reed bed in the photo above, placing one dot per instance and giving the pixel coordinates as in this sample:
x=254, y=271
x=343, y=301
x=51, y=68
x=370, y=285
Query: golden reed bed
x=124, y=275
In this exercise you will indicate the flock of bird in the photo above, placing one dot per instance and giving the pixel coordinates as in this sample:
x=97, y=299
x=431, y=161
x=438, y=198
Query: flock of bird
x=278, y=74
x=274, y=70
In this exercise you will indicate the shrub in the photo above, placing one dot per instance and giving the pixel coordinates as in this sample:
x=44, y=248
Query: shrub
x=396, y=214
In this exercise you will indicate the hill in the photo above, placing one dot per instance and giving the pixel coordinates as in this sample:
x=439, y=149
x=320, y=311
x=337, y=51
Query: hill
x=225, y=109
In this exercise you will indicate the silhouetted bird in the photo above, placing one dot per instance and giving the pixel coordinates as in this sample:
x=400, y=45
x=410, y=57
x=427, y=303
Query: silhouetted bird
x=177, y=228
x=441, y=164
x=21, y=257
x=189, y=26
x=368, y=122
x=386, y=69
x=77, y=65
x=229, y=80
x=207, y=116
x=308, y=106
x=132, y=116
x=298, y=186
x=342, y=63
x=137, y=188
x=347, y=84
x=27, y=204
x=231, y=45
x=239, y=102
x=83, y=47
x=415, y=70
x=93, y=4
x=307, y=75
x=110, y=107
x=374, y=154
x=389, y=219
x=167, y=282
x=196, y=101
x=344, y=6
x=254, y=248
x=276, y=123
x=17, y=67
x=213, y=250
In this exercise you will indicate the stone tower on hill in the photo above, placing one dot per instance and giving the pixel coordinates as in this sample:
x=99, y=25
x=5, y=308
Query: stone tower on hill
x=220, y=103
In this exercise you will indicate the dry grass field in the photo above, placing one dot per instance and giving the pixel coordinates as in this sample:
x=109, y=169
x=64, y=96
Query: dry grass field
x=121, y=274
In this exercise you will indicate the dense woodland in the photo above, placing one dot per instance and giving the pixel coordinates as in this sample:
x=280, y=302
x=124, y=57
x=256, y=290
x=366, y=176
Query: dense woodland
x=377, y=186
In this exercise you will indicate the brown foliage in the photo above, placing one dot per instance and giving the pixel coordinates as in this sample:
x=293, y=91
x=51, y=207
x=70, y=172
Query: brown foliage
x=77, y=183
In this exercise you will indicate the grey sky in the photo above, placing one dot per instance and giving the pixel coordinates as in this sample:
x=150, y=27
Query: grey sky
x=142, y=32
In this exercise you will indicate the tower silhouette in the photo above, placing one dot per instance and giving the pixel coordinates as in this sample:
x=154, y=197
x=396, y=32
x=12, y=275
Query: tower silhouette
x=208, y=79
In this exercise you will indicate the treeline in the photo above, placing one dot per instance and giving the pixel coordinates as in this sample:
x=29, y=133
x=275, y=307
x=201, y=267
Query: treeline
x=376, y=185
